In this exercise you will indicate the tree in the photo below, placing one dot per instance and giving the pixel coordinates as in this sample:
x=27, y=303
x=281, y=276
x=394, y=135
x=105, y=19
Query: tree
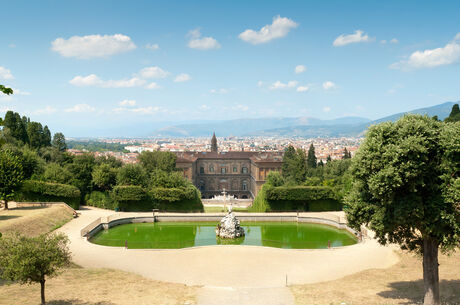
x=328, y=159
x=16, y=126
x=154, y=160
x=454, y=115
x=6, y=90
x=81, y=169
x=132, y=174
x=311, y=157
x=294, y=165
x=346, y=154
x=11, y=175
x=33, y=259
x=59, y=142
x=56, y=173
x=406, y=189
x=104, y=176
x=274, y=178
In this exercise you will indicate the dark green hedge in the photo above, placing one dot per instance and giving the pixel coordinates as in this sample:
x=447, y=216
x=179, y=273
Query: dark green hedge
x=41, y=191
x=101, y=200
x=303, y=193
x=297, y=198
x=128, y=193
x=135, y=198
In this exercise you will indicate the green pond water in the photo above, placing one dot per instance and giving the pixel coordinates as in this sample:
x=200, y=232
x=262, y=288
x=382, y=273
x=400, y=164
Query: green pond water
x=175, y=235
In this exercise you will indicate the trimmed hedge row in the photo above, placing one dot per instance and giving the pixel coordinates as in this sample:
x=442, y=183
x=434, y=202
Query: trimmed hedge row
x=296, y=198
x=36, y=191
x=136, y=198
x=304, y=193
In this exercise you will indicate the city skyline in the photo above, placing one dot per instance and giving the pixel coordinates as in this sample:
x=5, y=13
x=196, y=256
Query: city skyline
x=95, y=64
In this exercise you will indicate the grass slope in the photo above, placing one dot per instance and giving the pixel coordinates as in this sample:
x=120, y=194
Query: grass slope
x=35, y=220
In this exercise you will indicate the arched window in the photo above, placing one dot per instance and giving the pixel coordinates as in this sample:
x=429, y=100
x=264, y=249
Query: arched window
x=244, y=170
x=245, y=185
x=211, y=169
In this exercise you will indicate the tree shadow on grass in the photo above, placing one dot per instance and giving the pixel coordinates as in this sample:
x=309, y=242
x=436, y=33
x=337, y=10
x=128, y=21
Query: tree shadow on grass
x=77, y=302
x=6, y=217
x=411, y=292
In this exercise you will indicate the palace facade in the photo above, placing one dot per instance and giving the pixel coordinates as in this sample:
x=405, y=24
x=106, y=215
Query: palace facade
x=240, y=173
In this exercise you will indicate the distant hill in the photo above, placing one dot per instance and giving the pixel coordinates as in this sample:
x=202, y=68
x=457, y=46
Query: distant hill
x=243, y=127
x=291, y=127
x=352, y=129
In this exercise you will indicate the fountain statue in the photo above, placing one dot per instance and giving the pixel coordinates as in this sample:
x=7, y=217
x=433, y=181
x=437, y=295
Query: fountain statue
x=229, y=226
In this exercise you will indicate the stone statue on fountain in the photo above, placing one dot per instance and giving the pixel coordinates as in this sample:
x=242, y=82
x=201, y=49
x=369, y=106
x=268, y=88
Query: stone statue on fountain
x=229, y=226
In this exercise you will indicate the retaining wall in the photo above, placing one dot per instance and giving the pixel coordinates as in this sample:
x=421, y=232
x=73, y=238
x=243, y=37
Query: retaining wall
x=124, y=218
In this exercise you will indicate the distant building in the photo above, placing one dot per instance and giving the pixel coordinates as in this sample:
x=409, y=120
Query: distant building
x=240, y=173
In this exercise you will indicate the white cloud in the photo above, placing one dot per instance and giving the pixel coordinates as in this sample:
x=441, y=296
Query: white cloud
x=153, y=72
x=94, y=80
x=430, y=58
x=260, y=83
x=5, y=73
x=20, y=92
x=127, y=103
x=201, y=43
x=140, y=110
x=279, y=85
x=327, y=109
x=152, y=47
x=46, y=110
x=300, y=69
x=205, y=107
x=280, y=27
x=303, y=88
x=81, y=108
x=358, y=36
x=241, y=107
x=328, y=85
x=90, y=46
x=153, y=86
x=383, y=41
x=12, y=45
x=394, y=40
x=219, y=91
x=183, y=77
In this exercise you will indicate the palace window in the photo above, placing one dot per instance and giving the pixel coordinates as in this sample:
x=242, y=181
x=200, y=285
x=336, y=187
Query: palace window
x=223, y=170
x=235, y=169
x=245, y=185
x=202, y=170
x=211, y=169
x=244, y=170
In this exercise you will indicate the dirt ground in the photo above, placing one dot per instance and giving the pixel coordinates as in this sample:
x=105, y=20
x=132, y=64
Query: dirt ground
x=77, y=286
x=35, y=220
x=399, y=284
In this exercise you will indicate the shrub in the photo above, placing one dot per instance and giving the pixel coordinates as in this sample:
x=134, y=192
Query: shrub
x=40, y=191
x=101, y=200
x=296, y=198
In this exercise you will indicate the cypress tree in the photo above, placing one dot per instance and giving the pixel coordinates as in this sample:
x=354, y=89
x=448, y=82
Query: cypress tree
x=311, y=157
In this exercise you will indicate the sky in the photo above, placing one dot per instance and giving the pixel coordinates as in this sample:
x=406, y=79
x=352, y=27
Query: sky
x=90, y=68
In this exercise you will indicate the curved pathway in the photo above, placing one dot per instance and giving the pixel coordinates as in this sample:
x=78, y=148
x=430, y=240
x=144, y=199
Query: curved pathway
x=228, y=267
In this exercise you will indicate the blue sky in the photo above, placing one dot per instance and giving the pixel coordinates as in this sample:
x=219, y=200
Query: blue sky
x=87, y=67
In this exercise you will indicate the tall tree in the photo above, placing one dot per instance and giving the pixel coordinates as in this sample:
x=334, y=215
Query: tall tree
x=293, y=168
x=346, y=154
x=407, y=189
x=311, y=157
x=11, y=175
x=46, y=139
x=16, y=126
x=33, y=259
x=59, y=141
x=454, y=115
